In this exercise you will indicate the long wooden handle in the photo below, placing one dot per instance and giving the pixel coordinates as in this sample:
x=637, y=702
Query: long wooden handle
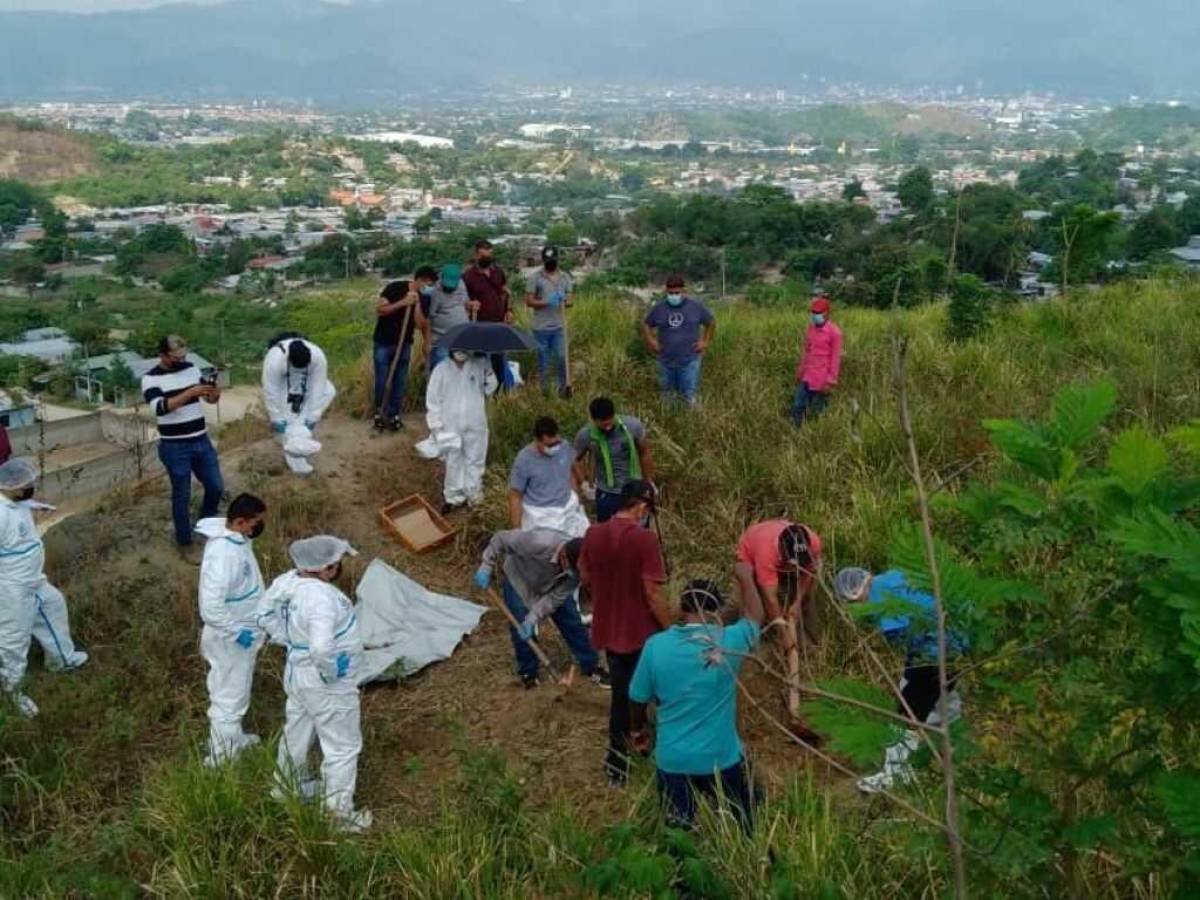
x=498, y=602
x=396, y=356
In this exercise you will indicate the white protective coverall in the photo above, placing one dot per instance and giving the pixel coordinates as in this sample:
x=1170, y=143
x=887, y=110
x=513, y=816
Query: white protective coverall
x=571, y=519
x=231, y=586
x=281, y=380
x=30, y=606
x=316, y=622
x=454, y=403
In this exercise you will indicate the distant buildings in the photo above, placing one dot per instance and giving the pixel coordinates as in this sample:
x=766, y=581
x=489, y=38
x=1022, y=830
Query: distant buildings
x=51, y=345
x=404, y=137
x=1189, y=254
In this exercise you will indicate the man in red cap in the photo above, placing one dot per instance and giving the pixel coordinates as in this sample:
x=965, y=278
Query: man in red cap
x=817, y=371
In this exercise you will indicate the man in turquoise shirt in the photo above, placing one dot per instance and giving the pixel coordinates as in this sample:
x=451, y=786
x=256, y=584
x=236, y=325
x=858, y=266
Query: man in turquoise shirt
x=690, y=672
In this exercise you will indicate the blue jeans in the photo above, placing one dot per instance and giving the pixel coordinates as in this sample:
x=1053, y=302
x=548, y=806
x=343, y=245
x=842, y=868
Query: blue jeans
x=681, y=794
x=181, y=459
x=682, y=380
x=436, y=355
x=807, y=402
x=550, y=344
x=570, y=626
x=383, y=364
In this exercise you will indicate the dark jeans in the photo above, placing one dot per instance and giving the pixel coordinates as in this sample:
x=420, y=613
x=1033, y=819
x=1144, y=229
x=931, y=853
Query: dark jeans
x=384, y=353
x=566, y=618
x=181, y=459
x=921, y=689
x=607, y=506
x=681, y=795
x=807, y=402
x=500, y=367
x=620, y=667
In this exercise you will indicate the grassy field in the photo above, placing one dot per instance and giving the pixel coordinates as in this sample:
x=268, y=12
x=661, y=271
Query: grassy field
x=104, y=795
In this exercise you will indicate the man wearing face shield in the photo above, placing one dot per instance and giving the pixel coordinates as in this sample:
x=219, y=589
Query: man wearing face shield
x=231, y=585
x=540, y=579
x=620, y=453
x=304, y=610
x=30, y=606
x=690, y=672
x=456, y=414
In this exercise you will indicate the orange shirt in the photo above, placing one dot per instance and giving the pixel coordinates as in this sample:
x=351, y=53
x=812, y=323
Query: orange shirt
x=759, y=547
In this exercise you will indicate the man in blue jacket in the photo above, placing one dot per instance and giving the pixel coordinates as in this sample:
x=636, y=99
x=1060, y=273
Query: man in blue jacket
x=919, y=686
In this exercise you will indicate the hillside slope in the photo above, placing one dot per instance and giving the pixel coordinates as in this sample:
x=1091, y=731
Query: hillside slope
x=40, y=155
x=481, y=788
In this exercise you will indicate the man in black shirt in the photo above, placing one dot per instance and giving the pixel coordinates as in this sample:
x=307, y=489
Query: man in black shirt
x=399, y=302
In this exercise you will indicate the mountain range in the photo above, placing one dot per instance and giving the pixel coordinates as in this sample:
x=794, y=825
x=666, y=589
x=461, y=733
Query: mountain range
x=367, y=52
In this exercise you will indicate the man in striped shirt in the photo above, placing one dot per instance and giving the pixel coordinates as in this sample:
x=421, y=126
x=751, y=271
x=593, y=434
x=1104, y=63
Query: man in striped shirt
x=173, y=389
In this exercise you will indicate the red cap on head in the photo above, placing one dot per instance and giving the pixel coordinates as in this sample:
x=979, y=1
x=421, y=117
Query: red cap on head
x=820, y=305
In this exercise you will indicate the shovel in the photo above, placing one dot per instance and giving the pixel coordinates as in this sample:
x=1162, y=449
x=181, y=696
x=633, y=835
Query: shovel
x=565, y=680
x=387, y=388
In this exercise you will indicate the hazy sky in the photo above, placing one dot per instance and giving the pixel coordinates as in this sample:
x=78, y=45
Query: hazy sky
x=84, y=5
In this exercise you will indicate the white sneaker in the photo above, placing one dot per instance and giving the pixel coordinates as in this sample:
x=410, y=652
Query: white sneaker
x=356, y=822
x=25, y=705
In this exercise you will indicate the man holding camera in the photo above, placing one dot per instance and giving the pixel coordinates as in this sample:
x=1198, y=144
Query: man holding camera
x=174, y=389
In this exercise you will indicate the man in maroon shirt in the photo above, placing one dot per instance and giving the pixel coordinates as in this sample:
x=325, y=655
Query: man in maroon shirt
x=621, y=566
x=487, y=290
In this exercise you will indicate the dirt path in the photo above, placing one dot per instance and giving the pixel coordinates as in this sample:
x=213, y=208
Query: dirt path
x=411, y=731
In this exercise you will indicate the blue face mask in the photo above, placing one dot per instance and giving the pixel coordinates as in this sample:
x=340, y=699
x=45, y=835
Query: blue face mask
x=818, y=318
x=675, y=299
x=554, y=449
x=427, y=291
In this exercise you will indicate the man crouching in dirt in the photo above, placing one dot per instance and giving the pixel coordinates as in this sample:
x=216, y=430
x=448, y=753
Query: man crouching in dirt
x=540, y=580
x=304, y=610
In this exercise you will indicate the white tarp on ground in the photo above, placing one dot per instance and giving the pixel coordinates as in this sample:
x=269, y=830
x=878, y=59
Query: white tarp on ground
x=406, y=623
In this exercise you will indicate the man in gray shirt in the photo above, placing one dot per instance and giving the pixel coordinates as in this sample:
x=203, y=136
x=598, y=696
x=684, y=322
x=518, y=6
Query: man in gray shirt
x=447, y=308
x=619, y=452
x=541, y=490
x=549, y=294
x=540, y=581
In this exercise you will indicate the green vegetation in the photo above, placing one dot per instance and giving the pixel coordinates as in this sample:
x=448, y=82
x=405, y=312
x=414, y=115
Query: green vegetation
x=1068, y=555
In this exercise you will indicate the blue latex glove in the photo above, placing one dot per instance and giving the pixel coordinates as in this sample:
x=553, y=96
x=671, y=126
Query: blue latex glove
x=343, y=664
x=310, y=424
x=279, y=427
x=525, y=632
x=483, y=577
x=245, y=638
x=555, y=299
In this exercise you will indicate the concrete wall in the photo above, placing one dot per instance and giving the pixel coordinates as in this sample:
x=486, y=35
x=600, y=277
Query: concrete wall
x=97, y=475
x=50, y=436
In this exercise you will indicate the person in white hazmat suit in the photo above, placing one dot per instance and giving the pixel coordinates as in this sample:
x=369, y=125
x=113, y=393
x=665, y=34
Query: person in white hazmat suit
x=231, y=586
x=304, y=610
x=457, y=418
x=296, y=392
x=30, y=606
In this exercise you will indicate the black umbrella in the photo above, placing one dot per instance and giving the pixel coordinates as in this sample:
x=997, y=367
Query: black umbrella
x=487, y=337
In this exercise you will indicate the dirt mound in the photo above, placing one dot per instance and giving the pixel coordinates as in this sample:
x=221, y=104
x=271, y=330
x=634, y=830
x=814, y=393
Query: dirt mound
x=134, y=599
x=38, y=154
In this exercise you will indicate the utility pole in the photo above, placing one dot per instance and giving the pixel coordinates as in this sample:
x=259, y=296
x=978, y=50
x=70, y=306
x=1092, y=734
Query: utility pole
x=722, y=272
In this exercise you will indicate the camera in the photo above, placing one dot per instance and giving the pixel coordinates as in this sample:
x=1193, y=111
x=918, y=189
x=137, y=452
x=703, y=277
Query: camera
x=209, y=379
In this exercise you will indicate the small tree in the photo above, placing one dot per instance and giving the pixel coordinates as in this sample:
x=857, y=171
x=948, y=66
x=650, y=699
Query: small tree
x=970, y=306
x=853, y=190
x=916, y=189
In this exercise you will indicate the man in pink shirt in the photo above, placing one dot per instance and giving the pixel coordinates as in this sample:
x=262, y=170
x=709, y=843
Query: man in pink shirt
x=779, y=552
x=817, y=372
